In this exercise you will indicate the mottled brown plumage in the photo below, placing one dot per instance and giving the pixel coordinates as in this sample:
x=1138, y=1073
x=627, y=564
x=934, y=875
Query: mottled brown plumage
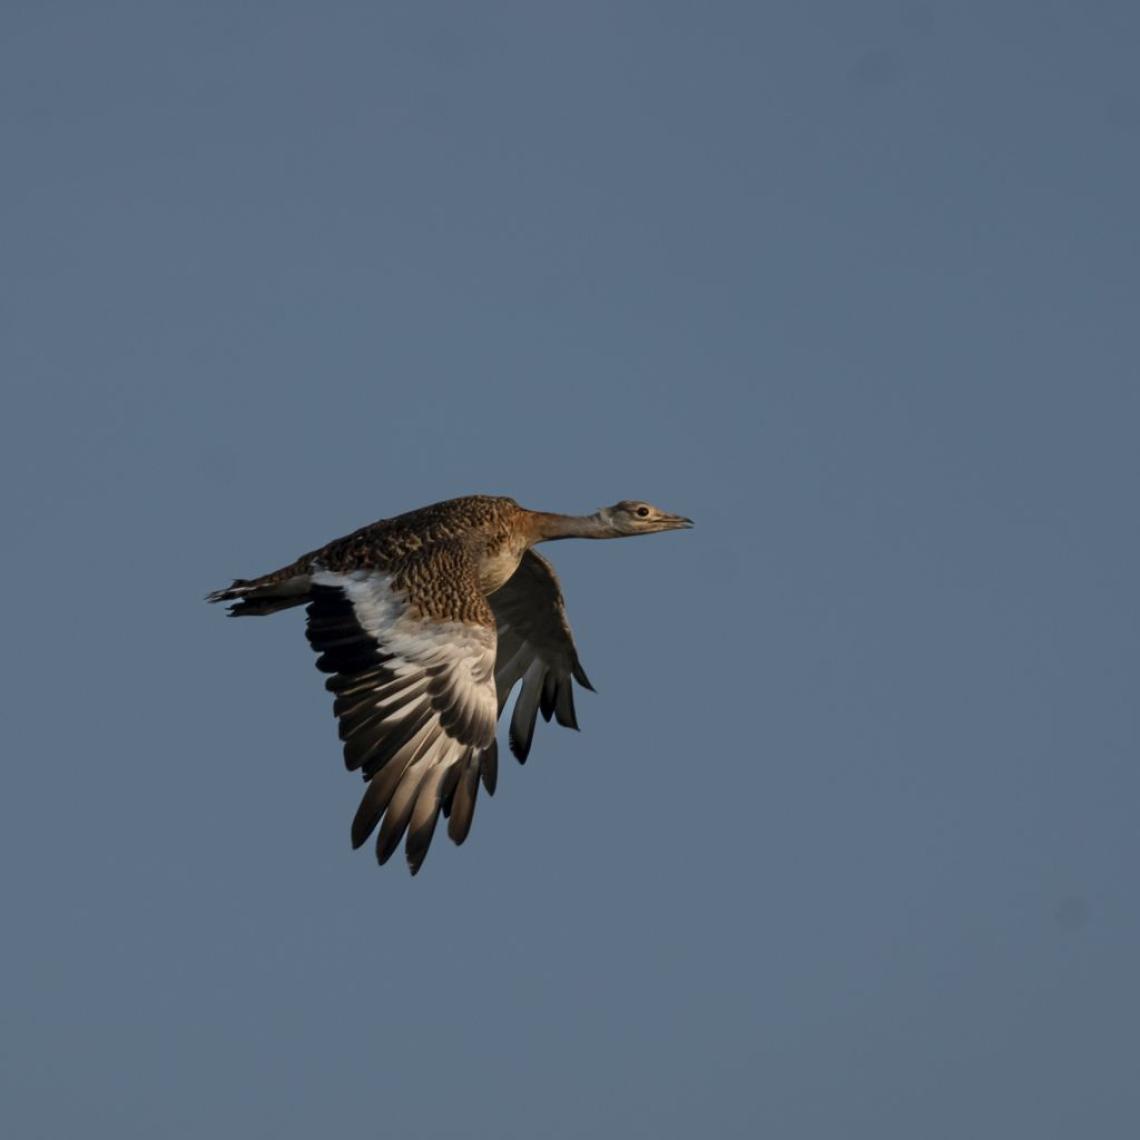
x=426, y=622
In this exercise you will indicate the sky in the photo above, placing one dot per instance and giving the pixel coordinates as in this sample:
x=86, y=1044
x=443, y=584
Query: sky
x=847, y=845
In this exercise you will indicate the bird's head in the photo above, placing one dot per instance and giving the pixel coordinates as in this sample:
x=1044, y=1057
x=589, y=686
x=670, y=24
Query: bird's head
x=631, y=516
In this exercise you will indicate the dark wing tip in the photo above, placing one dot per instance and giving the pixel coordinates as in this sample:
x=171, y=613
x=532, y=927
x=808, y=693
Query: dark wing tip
x=549, y=696
x=580, y=676
x=363, y=825
x=419, y=841
x=463, y=804
x=489, y=767
x=390, y=835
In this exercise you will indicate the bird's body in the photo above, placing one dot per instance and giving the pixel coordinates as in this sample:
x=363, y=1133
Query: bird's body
x=427, y=621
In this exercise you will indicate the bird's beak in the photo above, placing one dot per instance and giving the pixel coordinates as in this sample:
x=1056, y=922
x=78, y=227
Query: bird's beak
x=678, y=522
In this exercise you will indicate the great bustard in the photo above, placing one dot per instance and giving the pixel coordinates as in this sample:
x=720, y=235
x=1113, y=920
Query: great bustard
x=426, y=622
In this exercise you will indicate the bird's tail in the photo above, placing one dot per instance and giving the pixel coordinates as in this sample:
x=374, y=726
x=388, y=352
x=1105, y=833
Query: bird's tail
x=256, y=597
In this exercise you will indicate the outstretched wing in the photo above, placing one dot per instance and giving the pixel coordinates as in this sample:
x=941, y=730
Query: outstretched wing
x=415, y=698
x=536, y=647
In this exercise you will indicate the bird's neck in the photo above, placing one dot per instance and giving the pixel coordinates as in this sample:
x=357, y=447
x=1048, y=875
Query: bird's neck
x=546, y=527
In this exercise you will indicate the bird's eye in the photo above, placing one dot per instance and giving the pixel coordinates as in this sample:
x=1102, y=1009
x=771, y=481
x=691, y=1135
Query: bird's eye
x=643, y=511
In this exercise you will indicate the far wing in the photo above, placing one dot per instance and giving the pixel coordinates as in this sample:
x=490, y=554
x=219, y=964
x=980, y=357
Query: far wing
x=536, y=647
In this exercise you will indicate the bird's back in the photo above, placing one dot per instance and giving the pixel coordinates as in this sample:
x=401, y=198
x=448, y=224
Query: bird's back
x=482, y=520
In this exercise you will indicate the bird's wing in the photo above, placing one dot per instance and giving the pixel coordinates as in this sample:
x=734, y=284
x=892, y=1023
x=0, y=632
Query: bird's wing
x=536, y=647
x=415, y=698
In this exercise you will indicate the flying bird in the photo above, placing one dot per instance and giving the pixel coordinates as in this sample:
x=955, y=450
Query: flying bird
x=426, y=622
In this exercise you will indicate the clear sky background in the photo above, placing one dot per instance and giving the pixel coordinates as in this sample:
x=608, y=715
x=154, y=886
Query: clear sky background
x=848, y=844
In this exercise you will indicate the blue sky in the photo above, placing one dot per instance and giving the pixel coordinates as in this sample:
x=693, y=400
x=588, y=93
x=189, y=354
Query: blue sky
x=847, y=845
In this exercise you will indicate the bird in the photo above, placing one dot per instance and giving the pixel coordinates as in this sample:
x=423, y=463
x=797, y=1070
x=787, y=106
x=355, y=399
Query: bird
x=425, y=623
